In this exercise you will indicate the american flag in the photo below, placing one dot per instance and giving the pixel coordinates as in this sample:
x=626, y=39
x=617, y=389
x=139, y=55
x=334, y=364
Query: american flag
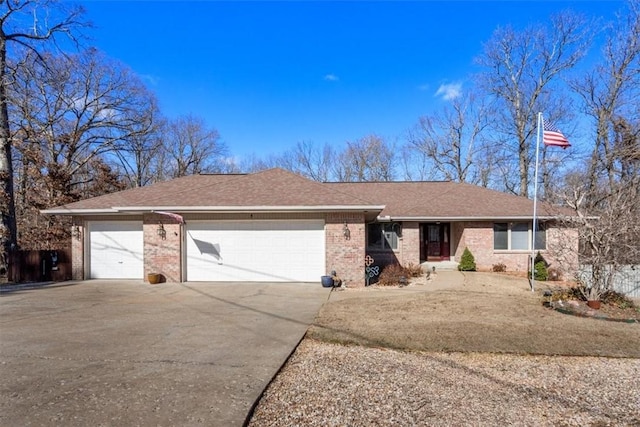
x=551, y=135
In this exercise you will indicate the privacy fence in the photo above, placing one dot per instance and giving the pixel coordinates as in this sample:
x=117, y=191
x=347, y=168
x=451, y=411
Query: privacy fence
x=40, y=266
x=626, y=279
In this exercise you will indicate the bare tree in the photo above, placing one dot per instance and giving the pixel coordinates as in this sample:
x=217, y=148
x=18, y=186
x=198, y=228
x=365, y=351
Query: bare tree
x=452, y=142
x=143, y=151
x=607, y=218
x=70, y=113
x=367, y=159
x=20, y=27
x=610, y=93
x=522, y=68
x=192, y=147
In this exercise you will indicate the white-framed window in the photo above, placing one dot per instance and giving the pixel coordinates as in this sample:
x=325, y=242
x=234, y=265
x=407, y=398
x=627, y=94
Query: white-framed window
x=516, y=236
x=382, y=236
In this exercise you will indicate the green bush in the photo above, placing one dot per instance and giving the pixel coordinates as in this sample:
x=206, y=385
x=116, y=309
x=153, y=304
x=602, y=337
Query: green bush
x=467, y=261
x=540, y=258
x=540, y=268
x=540, y=271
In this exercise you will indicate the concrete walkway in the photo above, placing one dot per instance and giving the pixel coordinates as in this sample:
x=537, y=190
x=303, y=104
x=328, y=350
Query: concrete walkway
x=128, y=353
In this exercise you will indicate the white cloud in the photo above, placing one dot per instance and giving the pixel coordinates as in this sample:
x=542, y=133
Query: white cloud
x=423, y=87
x=150, y=79
x=449, y=91
x=331, y=77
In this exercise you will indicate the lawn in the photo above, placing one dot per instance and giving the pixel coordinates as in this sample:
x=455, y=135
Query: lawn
x=470, y=312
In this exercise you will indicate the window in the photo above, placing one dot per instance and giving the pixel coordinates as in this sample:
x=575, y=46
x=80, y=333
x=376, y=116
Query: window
x=516, y=236
x=382, y=236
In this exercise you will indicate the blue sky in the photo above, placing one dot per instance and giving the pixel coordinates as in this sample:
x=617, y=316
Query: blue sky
x=267, y=75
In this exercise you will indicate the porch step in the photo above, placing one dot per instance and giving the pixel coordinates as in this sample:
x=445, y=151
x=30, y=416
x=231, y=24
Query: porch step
x=440, y=266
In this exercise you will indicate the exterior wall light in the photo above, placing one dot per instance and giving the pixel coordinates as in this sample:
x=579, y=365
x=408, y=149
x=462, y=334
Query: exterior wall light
x=76, y=233
x=162, y=232
x=346, y=232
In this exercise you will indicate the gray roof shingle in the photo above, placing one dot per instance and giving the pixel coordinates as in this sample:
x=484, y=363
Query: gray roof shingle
x=277, y=188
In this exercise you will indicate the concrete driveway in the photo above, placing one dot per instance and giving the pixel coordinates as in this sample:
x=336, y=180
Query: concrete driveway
x=128, y=353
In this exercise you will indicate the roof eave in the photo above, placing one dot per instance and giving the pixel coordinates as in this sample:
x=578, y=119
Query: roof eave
x=385, y=218
x=214, y=209
x=65, y=211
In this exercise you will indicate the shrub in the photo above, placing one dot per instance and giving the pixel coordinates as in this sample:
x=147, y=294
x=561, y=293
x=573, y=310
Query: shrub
x=566, y=294
x=540, y=268
x=540, y=258
x=467, y=261
x=540, y=271
x=395, y=274
x=499, y=268
x=413, y=270
x=392, y=275
x=616, y=299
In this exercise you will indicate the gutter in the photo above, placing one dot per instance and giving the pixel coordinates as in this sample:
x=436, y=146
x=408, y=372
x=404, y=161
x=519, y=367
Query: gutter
x=215, y=209
x=461, y=218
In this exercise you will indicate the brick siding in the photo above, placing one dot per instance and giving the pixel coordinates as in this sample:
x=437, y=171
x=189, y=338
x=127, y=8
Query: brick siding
x=162, y=255
x=77, y=249
x=346, y=256
x=478, y=237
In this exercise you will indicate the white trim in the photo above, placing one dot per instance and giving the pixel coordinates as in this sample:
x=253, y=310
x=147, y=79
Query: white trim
x=259, y=208
x=100, y=211
x=530, y=239
x=462, y=218
x=213, y=209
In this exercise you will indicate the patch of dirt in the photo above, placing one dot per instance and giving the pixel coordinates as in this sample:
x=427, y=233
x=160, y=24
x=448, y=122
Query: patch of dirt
x=468, y=312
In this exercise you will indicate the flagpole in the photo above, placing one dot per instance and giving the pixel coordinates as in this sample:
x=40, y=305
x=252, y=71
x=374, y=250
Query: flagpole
x=535, y=204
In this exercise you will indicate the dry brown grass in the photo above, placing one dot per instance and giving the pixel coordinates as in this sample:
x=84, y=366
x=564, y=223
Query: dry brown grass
x=480, y=312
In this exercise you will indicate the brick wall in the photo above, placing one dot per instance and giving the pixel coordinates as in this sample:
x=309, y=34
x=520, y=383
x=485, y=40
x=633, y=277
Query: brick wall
x=410, y=243
x=561, y=250
x=162, y=255
x=346, y=256
x=77, y=249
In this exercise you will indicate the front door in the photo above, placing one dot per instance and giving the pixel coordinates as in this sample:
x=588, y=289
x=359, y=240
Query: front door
x=436, y=242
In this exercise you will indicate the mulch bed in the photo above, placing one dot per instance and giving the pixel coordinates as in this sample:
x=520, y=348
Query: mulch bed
x=606, y=312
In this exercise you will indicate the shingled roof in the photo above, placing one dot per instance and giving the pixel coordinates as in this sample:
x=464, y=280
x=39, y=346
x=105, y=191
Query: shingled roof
x=280, y=190
x=273, y=189
x=443, y=200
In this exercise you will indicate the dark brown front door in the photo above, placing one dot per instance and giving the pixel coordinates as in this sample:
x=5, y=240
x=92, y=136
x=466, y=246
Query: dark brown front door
x=433, y=242
x=436, y=241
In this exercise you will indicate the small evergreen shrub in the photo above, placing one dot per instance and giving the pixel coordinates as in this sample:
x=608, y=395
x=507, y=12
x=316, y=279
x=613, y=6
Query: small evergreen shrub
x=540, y=258
x=499, y=268
x=467, y=261
x=540, y=268
x=540, y=271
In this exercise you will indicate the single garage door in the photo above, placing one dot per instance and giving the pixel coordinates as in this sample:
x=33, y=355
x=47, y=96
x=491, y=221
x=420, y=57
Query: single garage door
x=255, y=251
x=116, y=250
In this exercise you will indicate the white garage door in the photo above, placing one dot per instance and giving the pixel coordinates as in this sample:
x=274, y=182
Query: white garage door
x=116, y=250
x=255, y=251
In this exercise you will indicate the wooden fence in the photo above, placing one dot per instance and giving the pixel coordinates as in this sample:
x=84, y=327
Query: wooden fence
x=40, y=266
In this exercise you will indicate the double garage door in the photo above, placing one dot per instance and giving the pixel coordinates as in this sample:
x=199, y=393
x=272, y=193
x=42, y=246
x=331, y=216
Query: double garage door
x=255, y=251
x=260, y=251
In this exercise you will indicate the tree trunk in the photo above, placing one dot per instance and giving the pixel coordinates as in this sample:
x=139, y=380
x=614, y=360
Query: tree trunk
x=8, y=233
